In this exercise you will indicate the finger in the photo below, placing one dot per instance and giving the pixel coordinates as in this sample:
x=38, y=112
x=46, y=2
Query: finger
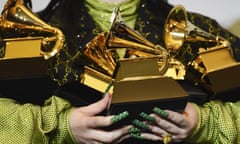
x=109, y=101
x=96, y=142
x=121, y=139
x=111, y=136
x=166, y=128
x=158, y=130
x=154, y=137
x=178, y=138
x=177, y=118
x=167, y=125
x=99, y=121
x=151, y=137
x=97, y=107
x=104, y=121
x=146, y=136
x=118, y=133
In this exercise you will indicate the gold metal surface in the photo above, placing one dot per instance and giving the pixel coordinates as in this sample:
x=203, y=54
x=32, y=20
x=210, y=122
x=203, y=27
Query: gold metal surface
x=144, y=59
x=221, y=69
x=178, y=29
x=96, y=51
x=136, y=46
x=102, y=49
x=22, y=48
x=17, y=21
x=209, y=62
x=152, y=89
x=95, y=79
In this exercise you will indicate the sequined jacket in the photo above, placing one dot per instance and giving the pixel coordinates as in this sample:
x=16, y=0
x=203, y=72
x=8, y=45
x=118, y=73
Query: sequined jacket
x=73, y=19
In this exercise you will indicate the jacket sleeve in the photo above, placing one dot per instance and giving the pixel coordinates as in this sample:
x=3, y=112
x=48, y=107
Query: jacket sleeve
x=219, y=123
x=27, y=123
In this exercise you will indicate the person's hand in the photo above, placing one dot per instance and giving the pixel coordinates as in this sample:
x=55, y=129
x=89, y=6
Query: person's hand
x=178, y=126
x=87, y=127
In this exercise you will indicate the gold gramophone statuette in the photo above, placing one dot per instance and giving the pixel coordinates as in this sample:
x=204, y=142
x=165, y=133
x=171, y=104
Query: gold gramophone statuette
x=211, y=65
x=20, y=26
x=103, y=50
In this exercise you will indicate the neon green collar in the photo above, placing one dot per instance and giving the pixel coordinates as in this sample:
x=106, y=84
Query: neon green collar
x=101, y=12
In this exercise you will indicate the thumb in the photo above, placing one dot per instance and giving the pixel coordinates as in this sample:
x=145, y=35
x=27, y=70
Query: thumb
x=98, y=106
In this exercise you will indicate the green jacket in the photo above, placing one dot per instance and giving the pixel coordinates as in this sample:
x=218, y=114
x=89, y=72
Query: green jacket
x=219, y=123
x=32, y=124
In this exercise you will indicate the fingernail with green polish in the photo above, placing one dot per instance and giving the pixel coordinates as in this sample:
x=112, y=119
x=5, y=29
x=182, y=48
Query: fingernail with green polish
x=140, y=124
x=134, y=130
x=147, y=117
x=160, y=112
x=136, y=135
x=119, y=117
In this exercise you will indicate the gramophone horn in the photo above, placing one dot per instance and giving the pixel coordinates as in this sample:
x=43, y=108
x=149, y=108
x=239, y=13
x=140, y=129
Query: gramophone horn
x=101, y=49
x=122, y=36
x=178, y=30
x=17, y=21
x=96, y=52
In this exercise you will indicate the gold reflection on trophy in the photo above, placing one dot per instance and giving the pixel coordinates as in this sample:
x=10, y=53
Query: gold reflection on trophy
x=104, y=49
x=96, y=51
x=122, y=37
x=178, y=30
x=19, y=23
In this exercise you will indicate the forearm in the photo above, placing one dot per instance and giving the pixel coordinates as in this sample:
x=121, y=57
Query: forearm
x=34, y=124
x=217, y=124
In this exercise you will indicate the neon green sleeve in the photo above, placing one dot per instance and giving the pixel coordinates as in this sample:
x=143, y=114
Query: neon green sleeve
x=27, y=123
x=219, y=123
